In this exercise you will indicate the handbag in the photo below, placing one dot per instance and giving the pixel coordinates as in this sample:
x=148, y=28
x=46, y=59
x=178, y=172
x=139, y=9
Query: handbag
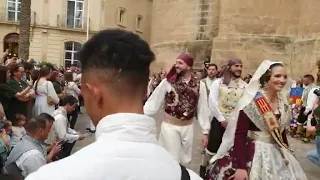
x=49, y=99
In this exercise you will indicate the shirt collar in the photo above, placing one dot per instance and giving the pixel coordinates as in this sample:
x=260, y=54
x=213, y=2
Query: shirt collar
x=127, y=127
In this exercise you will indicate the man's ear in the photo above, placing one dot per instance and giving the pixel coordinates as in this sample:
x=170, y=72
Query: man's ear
x=94, y=91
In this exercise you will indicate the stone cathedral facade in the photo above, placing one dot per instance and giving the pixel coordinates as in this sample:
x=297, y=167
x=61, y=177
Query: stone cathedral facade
x=252, y=30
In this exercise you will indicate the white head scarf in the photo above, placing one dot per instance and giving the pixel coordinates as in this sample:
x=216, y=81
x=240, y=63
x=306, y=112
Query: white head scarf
x=249, y=93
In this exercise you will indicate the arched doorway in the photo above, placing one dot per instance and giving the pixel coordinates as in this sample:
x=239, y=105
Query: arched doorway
x=11, y=42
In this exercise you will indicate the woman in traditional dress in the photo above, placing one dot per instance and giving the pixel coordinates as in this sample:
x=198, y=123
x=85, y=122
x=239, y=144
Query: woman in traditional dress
x=254, y=144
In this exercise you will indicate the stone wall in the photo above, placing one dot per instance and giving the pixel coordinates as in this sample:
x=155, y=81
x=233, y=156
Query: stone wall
x=282, y=30
x=256, y=30
x=180, y=26
x=252, y=30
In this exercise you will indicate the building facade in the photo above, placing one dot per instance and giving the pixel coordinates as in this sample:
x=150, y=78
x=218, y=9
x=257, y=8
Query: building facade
x=59, y=27
x=282, y=30
x=252, y=30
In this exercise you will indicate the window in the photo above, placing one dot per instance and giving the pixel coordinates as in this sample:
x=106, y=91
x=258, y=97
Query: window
x=121, y=16
x=139, y=23
x=14, y=7
x=75, y=13
x=71, y=55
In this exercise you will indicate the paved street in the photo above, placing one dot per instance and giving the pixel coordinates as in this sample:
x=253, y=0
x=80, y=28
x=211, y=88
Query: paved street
x=312, y=171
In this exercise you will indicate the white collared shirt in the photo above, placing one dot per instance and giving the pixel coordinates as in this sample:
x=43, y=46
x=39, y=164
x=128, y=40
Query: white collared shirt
x=312, y=99
x=126, y=148
x=61, y=127
x=209, y=81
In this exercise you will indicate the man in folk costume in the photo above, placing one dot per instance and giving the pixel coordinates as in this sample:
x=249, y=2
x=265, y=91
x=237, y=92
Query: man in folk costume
x=307, y=103
x=183, y=96
x=211, y=71
x=225, y=92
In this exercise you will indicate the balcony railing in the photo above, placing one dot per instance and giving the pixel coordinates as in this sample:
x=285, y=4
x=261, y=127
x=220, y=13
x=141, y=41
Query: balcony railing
x=71, y=22
x=14, y=16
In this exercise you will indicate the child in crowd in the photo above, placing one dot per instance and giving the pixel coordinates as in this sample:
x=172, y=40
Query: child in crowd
x=18, y=130
x=8, y=128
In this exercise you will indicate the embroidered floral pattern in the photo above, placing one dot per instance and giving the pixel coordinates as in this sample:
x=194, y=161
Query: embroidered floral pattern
x=182, y=101
x=225, y=167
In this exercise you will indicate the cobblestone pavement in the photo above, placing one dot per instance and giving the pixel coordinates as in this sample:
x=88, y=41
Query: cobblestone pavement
x=312, y=171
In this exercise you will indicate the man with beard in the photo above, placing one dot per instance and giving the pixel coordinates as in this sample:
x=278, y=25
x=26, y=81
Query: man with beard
x=183, y=97
x=211, y=71
x=225, y=92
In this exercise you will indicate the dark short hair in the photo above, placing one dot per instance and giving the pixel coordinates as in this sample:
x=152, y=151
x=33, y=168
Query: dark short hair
x=14, y=68
x=28, y=66
x=267, y=75
x=120, y=53
x=212, y=64
x=309, y=76
x=69, y=100
x=47, y=116
x=68, y=76
x=38, y=122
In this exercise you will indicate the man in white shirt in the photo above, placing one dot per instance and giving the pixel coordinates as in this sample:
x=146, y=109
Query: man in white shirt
x=211, y=72
x=183, y=98
x=115, y=71
x=225, y=93
x=30, y=153
x=307, y=104
x=61, y=130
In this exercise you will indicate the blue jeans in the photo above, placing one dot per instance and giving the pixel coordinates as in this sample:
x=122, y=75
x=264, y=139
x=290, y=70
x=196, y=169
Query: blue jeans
x=314, y=156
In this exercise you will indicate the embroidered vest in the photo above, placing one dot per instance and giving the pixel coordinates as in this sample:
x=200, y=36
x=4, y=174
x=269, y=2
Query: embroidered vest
x=229, y=95
x=182, y=101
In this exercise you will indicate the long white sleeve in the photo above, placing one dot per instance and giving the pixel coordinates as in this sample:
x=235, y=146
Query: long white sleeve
x=203, y=110
x=76, y=89
x=312, y=98
x=156, y=100
x=213, y=100
x=62, y=129
x=52, y=93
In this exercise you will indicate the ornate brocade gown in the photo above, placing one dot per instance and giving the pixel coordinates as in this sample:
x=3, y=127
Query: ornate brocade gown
x=257, y=152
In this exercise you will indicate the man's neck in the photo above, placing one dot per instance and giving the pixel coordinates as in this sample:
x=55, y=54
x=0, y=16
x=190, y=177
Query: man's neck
x=186, y=76
x=64, y=107
x=35, y=137
x=212, y=78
